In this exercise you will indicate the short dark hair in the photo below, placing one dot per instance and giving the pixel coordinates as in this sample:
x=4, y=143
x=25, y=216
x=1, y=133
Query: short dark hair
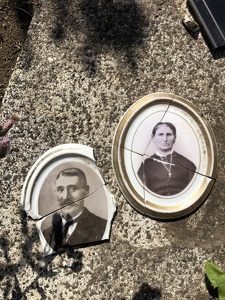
x=170, y=125
x=73, y=172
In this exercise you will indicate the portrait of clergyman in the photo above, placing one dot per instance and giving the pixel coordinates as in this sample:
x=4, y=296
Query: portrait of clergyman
x=166, y=172
x=80, y=208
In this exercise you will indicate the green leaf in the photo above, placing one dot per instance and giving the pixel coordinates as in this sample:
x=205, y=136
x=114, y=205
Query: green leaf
x=221, y=287
x=214, y=273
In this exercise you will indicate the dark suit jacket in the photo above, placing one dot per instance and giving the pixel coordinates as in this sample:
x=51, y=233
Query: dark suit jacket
x=155, y=177
x=89, y=228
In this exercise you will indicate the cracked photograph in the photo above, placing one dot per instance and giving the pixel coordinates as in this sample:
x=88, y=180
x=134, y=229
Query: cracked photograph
x=164, y=156
x=69, y=197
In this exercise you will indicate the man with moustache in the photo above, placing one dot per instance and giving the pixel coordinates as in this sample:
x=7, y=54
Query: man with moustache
x=73, y=224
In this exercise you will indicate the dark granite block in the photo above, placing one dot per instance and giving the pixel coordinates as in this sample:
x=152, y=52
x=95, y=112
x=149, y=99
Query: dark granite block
x=211, y=17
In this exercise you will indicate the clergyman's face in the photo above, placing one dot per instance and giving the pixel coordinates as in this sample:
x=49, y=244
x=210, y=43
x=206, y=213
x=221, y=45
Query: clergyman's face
x=69, y=192
x=164, y=138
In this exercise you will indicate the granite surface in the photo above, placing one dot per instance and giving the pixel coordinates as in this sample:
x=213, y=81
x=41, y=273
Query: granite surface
x=83, y=64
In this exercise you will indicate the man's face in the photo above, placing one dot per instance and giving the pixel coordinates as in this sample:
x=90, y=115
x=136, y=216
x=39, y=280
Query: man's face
x=164, y=138
x=69, y=191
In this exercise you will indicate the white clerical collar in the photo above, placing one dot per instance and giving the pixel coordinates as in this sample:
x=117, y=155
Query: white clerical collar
x=160, y=154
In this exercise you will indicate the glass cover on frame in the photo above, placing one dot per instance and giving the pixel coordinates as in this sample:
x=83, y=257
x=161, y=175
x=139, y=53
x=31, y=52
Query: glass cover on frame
x=164, y=156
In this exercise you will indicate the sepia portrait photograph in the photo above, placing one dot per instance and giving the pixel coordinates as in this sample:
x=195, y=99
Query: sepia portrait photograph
x=169, y=155
x=74, y=201
x=167, y=171
x=69, y=173
x=66, y=192
x=164, y=155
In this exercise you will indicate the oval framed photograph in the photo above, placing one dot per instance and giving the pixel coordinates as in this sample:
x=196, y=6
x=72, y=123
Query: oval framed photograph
x=164, y=156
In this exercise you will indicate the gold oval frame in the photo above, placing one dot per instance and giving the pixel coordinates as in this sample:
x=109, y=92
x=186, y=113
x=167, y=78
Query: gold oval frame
x=143, y=200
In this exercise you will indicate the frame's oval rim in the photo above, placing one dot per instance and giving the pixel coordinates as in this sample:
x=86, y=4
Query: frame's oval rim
x=119, y=137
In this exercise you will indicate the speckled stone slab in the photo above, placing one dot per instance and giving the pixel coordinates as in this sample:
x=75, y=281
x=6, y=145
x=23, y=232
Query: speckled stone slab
x=83, y=64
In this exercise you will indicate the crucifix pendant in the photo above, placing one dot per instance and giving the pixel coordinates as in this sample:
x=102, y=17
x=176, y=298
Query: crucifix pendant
x=170, y=174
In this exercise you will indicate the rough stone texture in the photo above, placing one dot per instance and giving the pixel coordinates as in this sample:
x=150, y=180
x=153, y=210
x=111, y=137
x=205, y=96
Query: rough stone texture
x=83, y=64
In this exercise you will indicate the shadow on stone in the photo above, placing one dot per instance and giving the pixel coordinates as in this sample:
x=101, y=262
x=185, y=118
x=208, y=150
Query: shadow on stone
x=112, y=25
x=117, y=23
x=25, y=11
x=41, y=267
x=146, y=292
x=107, y=25
x=61, y=22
